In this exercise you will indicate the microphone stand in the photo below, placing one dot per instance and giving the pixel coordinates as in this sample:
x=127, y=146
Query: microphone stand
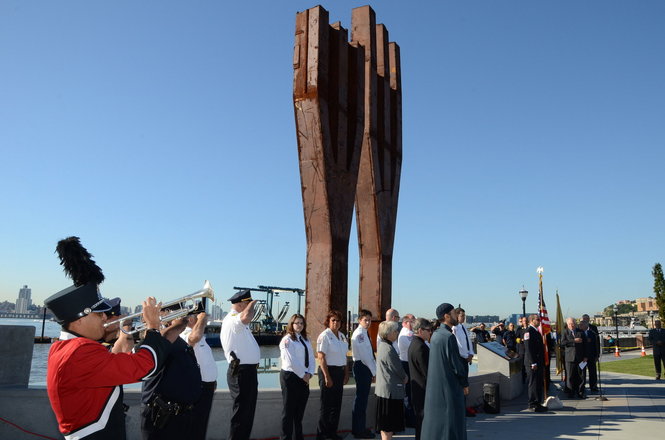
x=600, y=387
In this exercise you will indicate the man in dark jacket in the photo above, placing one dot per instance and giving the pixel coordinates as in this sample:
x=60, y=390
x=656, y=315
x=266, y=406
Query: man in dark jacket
x=534, y=363
x=657, y=338
x=418, y=361
x=524, y=325
x=573, y=341
x=593, y=352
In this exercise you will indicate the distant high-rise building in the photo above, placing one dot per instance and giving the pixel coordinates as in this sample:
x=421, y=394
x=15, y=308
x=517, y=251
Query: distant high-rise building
x=138, y=309
x=215, y=313
x=24, y=300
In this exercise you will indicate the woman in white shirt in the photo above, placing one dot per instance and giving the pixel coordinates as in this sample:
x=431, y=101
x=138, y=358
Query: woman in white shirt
x=297, y=368
x=331, y=347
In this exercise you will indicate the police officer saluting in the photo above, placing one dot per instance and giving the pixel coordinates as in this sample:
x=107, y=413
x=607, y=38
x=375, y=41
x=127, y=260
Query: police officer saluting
x=243, y=354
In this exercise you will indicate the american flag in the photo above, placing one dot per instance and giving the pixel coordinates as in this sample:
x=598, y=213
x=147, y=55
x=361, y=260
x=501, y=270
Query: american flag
x=545, y=326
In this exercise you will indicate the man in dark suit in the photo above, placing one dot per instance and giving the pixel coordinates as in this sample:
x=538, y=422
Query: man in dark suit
x=418, y=361
x=534, y=363
x=573, y=340
x=593, y=352
x=519, y=333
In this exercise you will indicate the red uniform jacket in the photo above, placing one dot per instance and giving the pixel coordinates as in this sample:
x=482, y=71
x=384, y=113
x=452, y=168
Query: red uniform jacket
x=83, y=382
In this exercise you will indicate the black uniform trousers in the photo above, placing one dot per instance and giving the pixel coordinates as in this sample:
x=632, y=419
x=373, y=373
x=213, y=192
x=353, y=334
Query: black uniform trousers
x=534, y=380
x=331, y=402
x=202, y=410
x=295, y=393
x=178, y=426
x=243, y=388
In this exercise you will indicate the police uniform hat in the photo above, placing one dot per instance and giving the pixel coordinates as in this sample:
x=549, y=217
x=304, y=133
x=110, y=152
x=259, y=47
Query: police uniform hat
x=443, y=309
x=83, y=297
x=243, y=295
x=114, y=303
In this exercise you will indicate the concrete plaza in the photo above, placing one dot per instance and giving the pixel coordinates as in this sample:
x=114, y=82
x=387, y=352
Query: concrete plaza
x=635, y=408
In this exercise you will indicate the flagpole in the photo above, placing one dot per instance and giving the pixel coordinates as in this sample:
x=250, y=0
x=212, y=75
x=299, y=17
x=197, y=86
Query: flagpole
x=543, y=333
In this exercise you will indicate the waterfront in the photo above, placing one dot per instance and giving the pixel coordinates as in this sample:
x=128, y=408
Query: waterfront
x=268, y=368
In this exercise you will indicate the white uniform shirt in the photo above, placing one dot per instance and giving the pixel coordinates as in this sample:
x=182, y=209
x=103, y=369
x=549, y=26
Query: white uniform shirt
x=403, y=341
x=204, y=357
x=333, y=347
x=292, y=354
x=361, y=349
x=463, y=341
x=238, y=338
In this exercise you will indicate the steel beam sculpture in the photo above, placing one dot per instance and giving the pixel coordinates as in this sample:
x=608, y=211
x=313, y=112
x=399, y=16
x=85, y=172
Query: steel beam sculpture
x=380, y=161
x=328, y=102
x=347, y=102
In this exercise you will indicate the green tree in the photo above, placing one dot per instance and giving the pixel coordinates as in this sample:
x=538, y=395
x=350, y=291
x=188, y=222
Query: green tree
x=622, y=309
x=659, y=289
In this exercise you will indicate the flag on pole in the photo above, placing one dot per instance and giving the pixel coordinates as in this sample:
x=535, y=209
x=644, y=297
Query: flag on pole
x=545, y=326
x=559, y=328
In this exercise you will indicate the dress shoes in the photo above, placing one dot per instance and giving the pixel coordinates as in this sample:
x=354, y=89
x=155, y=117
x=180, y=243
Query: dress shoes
x=594, y=390
x=538, y=408
x=365, y=434
x=658, y=377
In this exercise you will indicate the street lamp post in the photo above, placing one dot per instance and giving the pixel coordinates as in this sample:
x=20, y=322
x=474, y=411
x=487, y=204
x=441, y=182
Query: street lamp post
x=616, y=323
x=651, y=315
x=523, y=295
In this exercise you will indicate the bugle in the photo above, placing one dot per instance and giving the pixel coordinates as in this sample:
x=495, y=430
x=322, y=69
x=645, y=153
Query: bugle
x=181, y=308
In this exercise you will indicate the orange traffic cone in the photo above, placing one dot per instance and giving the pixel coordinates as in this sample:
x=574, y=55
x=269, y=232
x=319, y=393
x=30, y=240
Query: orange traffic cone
x=644, y=353
x=616, y=351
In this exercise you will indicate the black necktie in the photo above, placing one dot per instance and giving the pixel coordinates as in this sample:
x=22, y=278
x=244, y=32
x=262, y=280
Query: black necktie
x=306, y=352
x=467, y=339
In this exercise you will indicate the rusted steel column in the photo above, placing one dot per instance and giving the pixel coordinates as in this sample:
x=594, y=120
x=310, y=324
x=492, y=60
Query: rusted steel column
x=380, y=161
x=328, y=102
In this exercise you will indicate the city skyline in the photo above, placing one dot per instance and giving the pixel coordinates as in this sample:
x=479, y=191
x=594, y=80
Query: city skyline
x=163, y=134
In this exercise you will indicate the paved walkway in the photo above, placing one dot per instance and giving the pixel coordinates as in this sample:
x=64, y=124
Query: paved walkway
x=634, y=409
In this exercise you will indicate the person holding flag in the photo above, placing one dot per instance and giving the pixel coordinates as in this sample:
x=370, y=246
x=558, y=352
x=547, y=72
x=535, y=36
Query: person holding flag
x=545, y=330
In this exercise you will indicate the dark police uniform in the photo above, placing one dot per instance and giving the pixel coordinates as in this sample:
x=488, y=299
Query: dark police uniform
x=657, y=338
x=534, y=356
x=169, y=397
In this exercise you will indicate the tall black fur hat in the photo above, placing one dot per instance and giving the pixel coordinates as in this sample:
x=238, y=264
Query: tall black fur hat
x=83, y=297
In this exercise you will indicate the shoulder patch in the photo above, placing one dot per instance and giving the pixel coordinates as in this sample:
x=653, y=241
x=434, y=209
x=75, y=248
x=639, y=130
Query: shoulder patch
x=361, y=338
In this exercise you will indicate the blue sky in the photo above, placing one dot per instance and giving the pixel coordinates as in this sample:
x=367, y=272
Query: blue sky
x=162, y=134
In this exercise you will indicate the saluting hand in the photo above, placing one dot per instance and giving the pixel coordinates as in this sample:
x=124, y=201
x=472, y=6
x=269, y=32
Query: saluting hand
x=151, y=309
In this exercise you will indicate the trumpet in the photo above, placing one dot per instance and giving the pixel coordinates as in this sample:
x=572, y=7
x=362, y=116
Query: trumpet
x=181, y=305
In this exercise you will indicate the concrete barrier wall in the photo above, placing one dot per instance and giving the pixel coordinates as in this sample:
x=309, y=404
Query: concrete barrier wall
x=29, y=408
x=16, y=354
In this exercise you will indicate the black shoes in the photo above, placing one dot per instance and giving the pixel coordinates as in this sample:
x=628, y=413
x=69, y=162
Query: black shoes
x=658, y=377
x=538, y=409
x=366, y=434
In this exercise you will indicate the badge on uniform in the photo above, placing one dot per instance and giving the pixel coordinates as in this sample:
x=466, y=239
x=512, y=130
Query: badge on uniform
x=526, y=336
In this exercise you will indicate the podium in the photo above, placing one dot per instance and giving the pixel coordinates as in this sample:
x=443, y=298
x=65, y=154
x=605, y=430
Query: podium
x=495, y=358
